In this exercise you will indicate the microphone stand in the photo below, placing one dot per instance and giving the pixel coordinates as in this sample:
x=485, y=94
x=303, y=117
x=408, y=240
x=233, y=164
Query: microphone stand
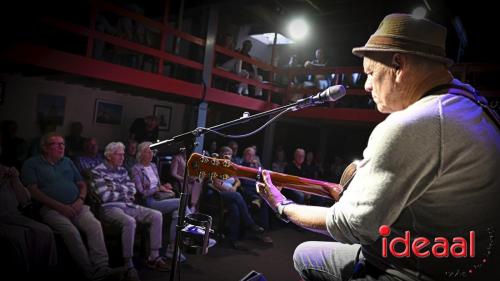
x=189, y=141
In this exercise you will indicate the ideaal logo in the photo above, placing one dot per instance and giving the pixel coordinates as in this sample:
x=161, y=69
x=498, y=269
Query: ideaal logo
x=440, y=247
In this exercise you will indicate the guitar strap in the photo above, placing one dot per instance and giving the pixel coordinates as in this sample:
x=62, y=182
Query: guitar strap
x=467, y=93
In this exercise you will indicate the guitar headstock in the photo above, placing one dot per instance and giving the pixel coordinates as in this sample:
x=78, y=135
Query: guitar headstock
x=208, y=167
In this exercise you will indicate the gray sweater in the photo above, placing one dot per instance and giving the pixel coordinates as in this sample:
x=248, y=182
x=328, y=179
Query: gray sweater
x=431, y=169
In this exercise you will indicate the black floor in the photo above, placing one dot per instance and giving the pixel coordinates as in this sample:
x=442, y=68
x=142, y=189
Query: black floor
x=224, y=263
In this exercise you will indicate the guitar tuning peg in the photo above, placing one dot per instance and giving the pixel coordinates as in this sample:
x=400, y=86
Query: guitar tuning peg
x=213, y=175
x=226, y=163
x=225, y=176
x=215, y=162
x=202, y=175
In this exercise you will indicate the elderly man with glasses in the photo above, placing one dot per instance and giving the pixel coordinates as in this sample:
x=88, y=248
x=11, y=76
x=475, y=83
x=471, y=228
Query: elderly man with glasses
x=56, y=184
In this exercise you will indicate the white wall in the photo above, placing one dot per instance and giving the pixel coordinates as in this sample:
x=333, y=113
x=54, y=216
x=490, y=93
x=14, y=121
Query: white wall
x=21, y=99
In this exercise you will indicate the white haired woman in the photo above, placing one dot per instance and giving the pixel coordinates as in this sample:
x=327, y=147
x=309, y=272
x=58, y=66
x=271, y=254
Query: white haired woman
x=156, y=195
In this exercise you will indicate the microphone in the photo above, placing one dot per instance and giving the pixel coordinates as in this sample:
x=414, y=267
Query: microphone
x=333, y=93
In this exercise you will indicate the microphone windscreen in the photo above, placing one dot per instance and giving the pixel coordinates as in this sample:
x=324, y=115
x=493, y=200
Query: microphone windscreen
x=336, y=92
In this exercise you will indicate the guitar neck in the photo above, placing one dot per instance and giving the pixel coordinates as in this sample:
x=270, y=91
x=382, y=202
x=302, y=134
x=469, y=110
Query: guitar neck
x=316, y=187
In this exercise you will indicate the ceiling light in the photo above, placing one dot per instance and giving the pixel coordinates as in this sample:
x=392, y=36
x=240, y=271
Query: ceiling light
x=298, y=29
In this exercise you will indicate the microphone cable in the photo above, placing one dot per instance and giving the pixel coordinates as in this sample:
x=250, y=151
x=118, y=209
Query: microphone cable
x=253, y=132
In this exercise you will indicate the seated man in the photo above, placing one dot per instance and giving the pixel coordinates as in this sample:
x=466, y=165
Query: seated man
x=320, y=80
x=28, y=246
x=296, y=168
x=244, y=69
x=249, y=70
x=117, y=193
x=54, y=181
x=427, y=186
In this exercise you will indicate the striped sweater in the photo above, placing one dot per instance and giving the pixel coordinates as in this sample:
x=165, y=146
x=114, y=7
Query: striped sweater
x=113, y=185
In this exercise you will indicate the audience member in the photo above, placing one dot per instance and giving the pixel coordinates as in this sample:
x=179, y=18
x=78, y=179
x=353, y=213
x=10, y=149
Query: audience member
x=311, y=170
x=144, y=129
x=279, y=162
x=256, y=157
x=89, y=159
x=14, y=149
x=234, y=147
x=194, y=185
x=212, y=147
x=156, y=195
x=251, y=196
x=295, y=64
x=238, y=214
x=244, y=69
x=296, y=168
x=320, y=80
x=248, y=70
x=130, y=156
x=118, y=208
x=74, y=141
x=28, y=246
x=54, y=181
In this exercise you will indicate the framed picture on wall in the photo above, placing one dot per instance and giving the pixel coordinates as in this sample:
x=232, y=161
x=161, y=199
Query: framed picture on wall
x=108, y=112
x=50, y=109
x=163, y=113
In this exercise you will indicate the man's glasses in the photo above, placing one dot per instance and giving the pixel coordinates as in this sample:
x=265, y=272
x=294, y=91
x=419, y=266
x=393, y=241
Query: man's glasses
x=57, y=144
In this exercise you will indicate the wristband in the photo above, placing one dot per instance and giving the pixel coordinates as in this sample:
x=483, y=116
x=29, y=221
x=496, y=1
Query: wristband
x=280, y=207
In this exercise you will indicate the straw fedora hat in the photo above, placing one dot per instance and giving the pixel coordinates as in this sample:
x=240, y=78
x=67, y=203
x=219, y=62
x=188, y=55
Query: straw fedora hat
x=403, y=33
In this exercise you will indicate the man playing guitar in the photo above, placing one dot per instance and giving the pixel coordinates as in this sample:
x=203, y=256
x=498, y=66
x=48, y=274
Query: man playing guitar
x=429, y=170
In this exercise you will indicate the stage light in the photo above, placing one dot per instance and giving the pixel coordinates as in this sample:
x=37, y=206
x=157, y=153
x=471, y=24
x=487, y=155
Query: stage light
x=298, y=29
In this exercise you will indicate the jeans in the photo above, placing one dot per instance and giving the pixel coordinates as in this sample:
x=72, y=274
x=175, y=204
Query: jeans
x=334, y=261
x=238, y=211
x=87, y=260
x=166, y=207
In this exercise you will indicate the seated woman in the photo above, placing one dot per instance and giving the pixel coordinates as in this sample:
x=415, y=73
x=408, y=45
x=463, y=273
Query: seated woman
x=193, y=185
x=238, y=214
x=155, y=195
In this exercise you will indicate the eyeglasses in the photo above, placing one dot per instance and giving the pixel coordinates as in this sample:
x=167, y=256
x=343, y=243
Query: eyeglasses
x=57, y=144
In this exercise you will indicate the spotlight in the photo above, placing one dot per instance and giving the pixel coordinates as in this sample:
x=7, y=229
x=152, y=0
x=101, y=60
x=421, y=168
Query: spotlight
x=298, y=29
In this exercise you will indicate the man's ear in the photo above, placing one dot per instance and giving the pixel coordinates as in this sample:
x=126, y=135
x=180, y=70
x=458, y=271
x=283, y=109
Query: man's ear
x=399, y=63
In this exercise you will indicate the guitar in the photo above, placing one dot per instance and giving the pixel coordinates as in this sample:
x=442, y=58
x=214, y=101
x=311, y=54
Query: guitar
x=207, y=167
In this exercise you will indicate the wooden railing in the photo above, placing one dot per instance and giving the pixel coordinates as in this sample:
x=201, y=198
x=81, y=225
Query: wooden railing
x=340, y=75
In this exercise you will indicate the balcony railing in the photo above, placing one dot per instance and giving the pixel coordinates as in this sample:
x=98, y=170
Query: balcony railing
x=355, y=107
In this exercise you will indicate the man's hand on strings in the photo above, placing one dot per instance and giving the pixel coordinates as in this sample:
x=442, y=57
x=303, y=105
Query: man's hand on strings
x=268, y=191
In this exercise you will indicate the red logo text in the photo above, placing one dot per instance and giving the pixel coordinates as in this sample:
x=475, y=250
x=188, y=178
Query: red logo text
x=423, y=247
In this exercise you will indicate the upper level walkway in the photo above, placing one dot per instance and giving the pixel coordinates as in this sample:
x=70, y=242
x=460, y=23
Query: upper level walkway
x=160, y=63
